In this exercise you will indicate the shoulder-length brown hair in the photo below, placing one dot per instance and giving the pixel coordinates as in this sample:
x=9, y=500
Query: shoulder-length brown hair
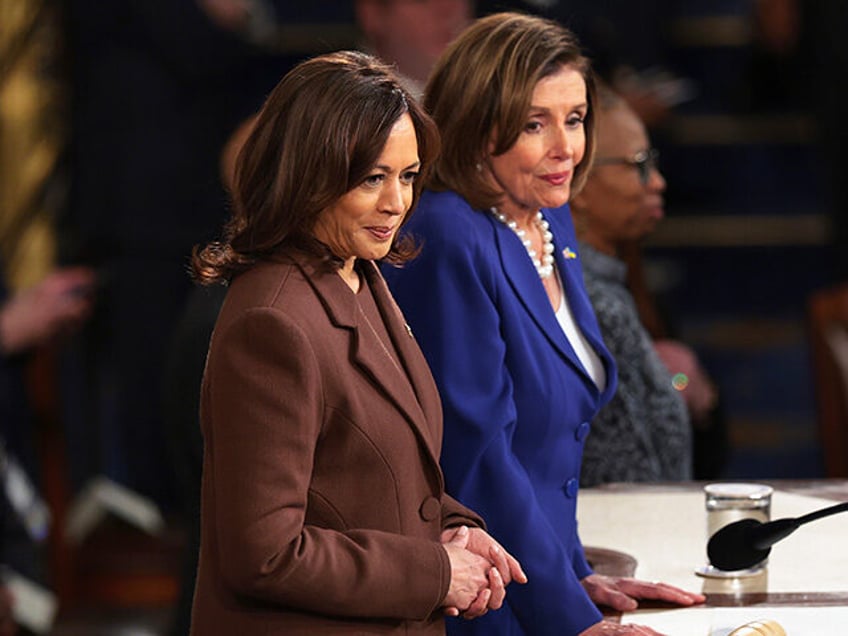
x=480, y=91
x=318, y=136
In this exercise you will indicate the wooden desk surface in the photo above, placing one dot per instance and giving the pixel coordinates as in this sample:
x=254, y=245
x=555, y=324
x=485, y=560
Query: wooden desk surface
x=658, y=532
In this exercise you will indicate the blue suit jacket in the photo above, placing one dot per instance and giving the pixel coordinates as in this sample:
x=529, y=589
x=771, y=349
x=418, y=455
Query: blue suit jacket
x=517, y=402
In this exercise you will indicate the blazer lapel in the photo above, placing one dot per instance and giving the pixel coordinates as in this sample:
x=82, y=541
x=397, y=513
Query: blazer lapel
x=525, y=282
x=401, y=334
x=571, y=274
x=367, y=351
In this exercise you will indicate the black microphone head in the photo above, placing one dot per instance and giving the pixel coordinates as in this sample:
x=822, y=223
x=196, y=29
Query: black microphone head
x=731, y=547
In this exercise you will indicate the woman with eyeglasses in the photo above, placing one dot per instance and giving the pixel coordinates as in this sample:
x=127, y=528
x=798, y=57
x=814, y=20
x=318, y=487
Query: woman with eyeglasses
x=497, y=303
x=643, y=433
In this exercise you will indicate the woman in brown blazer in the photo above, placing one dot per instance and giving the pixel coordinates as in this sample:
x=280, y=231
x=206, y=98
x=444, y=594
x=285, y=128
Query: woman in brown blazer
x=323, y=505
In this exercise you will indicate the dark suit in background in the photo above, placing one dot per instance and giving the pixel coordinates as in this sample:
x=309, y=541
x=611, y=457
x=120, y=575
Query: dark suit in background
x=18, y=438
x=181, y=401
x=157, y=88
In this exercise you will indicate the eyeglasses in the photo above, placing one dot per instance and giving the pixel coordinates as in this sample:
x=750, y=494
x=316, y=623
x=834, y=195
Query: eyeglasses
x=644, y=162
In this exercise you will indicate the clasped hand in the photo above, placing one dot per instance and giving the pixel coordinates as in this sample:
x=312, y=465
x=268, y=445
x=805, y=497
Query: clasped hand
x=480, y=571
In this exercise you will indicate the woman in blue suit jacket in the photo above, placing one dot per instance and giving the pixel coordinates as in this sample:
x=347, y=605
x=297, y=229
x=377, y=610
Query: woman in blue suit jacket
x=510, y=335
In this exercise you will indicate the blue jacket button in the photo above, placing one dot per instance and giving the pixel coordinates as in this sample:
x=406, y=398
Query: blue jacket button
x=571, y=487
x=582, y=431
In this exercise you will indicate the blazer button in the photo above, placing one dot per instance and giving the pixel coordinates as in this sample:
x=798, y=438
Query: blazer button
x=571, y=488
x=582, y=431
x=430, y=509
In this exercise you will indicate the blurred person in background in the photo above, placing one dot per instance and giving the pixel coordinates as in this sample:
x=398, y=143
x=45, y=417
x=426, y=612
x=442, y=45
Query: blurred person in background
x=181, y=380
x=157, y=86
x=41, y=304
x=411, y=35
x=39, y=316
x=644, y=433
x=805, y=46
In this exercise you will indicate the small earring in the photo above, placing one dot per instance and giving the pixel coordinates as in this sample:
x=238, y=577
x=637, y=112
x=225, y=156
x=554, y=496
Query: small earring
x=479, y=167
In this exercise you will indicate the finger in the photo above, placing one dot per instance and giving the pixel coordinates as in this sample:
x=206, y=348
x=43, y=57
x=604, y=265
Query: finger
x=498, y=557
x=615, y=599
x=497, y=588
x=665, y=588
x=461, y=537
x=681, y=597
x=515, y=569
x=642, y=630
x=451, y=611
x=508, y=566
x=642, y=589
x=660, y=592
x=479, y=606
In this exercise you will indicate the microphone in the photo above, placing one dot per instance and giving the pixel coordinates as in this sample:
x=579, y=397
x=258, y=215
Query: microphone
x=744, y=543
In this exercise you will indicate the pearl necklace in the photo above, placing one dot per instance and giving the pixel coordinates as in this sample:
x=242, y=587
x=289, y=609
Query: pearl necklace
x=545, y=265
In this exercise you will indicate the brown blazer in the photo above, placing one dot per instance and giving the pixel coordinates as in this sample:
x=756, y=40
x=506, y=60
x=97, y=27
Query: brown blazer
x=322, y=498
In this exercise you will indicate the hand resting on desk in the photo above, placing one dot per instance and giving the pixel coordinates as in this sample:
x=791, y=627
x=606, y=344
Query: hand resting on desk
x=623, y=594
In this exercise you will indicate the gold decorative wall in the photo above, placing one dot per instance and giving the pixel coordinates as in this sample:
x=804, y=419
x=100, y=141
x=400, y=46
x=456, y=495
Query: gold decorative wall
x=32, y=136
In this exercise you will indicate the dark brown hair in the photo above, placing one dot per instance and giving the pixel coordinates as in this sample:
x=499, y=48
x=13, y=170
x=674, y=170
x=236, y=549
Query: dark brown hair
x=481, y=89
x=317, y=137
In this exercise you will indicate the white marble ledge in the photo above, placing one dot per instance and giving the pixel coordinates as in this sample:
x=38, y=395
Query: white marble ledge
x=665, y=531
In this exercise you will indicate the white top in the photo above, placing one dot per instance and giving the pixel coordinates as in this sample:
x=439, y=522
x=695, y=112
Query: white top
x=585, y=353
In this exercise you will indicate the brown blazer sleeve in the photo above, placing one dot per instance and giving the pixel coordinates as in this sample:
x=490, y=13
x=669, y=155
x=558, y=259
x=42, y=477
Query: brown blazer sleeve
x=455, y=514
x=262, y=416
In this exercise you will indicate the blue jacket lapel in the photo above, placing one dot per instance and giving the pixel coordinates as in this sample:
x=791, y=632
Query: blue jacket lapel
x=525, y=282
x=570, y=270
